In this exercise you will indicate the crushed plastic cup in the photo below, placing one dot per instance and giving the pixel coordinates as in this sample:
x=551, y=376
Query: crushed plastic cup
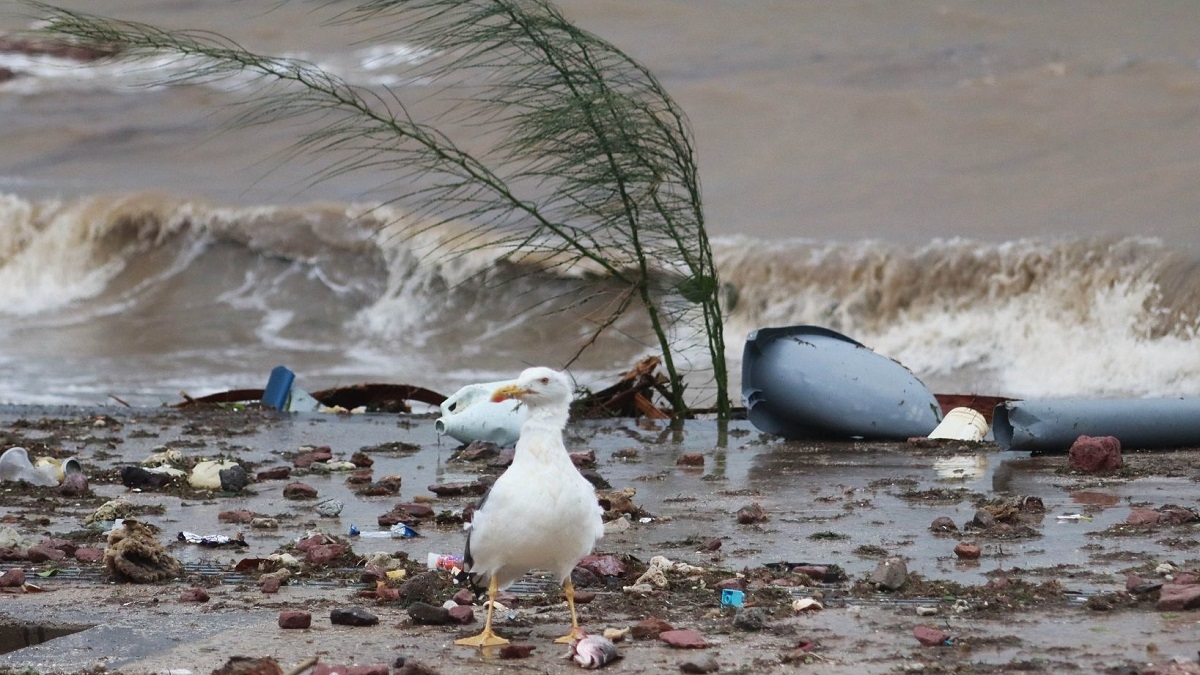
x=403, y=531
x=961, y=424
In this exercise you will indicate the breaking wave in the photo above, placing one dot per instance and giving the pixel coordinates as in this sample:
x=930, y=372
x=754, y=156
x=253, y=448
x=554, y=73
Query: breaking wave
x=1028, y=318
x=193, y=292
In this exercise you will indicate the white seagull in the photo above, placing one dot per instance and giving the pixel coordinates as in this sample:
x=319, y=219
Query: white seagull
x=541, y=513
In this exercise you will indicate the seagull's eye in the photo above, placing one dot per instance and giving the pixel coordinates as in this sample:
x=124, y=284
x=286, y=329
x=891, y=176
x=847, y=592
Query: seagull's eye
x=544, y=380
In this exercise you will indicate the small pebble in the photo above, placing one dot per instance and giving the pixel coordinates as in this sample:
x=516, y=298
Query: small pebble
x=702, y=663
x=352, y=616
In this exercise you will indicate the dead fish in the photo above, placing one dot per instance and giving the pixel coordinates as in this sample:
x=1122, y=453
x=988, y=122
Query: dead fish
x=593, y=651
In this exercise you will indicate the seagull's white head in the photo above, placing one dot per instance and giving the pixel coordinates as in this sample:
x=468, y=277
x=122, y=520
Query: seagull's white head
x=537, y=388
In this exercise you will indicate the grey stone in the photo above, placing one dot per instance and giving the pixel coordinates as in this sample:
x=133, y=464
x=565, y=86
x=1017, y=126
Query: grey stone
x=890, y=574
x=352, y=616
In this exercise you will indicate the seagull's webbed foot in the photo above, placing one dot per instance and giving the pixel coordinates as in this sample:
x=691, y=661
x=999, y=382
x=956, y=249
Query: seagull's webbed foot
x=576, y=634
x=485, y=639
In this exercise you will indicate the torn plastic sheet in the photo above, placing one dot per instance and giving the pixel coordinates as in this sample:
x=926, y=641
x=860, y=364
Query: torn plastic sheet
x=1053, y=425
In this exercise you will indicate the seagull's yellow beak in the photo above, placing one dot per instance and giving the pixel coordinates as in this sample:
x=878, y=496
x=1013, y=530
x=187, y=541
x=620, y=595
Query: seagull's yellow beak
x=506, y=392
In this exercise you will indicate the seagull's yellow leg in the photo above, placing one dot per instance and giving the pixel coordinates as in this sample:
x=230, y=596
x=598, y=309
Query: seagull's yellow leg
x=576, y=632
x=487, y=638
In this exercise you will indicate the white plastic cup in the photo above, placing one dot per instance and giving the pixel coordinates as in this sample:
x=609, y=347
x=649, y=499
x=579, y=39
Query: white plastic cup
x=961, y=424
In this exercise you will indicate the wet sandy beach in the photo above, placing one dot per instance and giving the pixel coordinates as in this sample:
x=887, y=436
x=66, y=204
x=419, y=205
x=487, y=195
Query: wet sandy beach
x=1048, y=593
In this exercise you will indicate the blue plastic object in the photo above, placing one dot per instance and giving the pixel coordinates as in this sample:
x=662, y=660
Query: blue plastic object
x=354, y=532
x=732, y=598
x=808, y=382
x=279, y=388
x=1052, y=425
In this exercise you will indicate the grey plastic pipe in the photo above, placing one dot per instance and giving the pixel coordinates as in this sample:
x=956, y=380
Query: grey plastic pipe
x=1053, y=425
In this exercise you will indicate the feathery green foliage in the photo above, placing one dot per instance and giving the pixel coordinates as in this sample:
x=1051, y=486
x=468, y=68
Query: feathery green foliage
x=591, y=162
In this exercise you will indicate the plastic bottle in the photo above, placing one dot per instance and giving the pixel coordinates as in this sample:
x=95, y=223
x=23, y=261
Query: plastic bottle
x=444, y=562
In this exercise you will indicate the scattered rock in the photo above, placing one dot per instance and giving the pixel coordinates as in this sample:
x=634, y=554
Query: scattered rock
x=245, y=665
x=929, y=636
x=748, y=515
x=299, y=491
x=967, y=551
x=242, y=516
x=750, y=619
x=388, y=485
x=274, y=473
x=943, y=524
x=683, y=639
x=583, y=458
x=890, y=574
x=711, y=544
x=352, y=616
x=362, y=460
x=478, y=451
x=512, y=651
x=701, y=663
x=1143, y=517
x=426, y=587
x=595, y=479
x=42, y=553
x=462, y=614
x=234, y=478
x=89, y=555
x=983, y=520
x=649, y=628
x=430, y=615
x=291, y=619
x=1178, y=597
x=1139, y=586
x=330, y=508
x=306, y=460
x=503, y=460
x=1091, y=454
x=459, y=489
x=270, y=585
x=12, y=578
x=323, y=554
x=692, y=459
x=74, y=484
x=137, y=478
x=819, y=573
x=195, y=594
x=464, y=597
x=603, y=565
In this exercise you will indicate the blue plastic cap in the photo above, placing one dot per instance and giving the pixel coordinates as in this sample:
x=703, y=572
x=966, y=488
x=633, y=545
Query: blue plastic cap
x=732, y=598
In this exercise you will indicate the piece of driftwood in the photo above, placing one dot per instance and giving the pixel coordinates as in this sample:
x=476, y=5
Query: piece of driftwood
x=631, y=396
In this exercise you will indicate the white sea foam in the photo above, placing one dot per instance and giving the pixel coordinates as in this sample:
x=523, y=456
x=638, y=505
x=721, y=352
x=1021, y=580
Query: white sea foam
x=1023, y=319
